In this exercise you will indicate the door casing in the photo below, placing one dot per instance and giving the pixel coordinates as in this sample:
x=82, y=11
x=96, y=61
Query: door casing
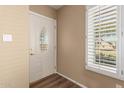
x=55, y=33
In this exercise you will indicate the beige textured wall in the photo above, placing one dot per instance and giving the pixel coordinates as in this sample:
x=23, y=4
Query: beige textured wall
x=71, y=49
x=43, y=10
x=14, y=55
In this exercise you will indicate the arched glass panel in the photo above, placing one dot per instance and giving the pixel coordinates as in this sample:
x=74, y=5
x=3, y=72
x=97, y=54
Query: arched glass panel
x=43, y=40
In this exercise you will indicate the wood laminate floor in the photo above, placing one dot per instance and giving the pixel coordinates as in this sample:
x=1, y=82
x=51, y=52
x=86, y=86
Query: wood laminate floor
x=53, y=81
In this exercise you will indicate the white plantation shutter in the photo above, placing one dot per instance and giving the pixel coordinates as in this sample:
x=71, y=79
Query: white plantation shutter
x=102, y=36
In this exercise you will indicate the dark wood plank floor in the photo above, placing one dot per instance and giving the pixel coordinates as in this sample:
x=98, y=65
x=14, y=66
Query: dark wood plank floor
x=53, y=81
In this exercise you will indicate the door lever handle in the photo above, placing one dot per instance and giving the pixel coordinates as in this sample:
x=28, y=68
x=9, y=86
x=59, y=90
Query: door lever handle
x=31, y=53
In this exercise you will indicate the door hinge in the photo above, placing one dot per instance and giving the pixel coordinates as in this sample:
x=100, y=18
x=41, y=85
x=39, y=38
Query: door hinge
x=122, y=33
x=55, y=27
x=85, y=36
x=122, y=72
x=55, y=67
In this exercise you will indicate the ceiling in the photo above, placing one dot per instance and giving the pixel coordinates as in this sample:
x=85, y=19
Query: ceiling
x=56, y=6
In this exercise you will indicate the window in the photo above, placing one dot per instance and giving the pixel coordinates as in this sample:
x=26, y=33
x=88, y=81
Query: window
x=44, y=40
x=103, y=40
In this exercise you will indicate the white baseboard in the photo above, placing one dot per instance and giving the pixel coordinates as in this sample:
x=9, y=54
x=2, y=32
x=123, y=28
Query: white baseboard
x=81, y=85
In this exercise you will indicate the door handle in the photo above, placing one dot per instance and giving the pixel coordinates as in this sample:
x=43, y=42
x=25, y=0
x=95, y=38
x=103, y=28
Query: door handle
x=32, y=54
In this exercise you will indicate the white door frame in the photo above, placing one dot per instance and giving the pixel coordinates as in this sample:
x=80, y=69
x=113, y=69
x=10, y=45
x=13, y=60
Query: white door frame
x=55, y=47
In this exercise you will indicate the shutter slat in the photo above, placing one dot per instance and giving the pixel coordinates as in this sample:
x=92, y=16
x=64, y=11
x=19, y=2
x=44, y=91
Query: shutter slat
x=102, y=22
x=112, y=17
x=93, y=17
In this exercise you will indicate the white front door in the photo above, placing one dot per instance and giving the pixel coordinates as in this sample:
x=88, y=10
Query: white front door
x=42, y=46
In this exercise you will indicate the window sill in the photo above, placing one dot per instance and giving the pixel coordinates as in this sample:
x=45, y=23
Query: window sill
x=110, y=73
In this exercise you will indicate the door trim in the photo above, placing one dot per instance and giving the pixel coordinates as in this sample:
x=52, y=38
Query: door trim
x=37, y=14
x=55, y=27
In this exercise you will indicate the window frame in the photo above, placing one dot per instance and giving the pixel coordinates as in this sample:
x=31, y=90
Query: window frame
x=120, y=50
